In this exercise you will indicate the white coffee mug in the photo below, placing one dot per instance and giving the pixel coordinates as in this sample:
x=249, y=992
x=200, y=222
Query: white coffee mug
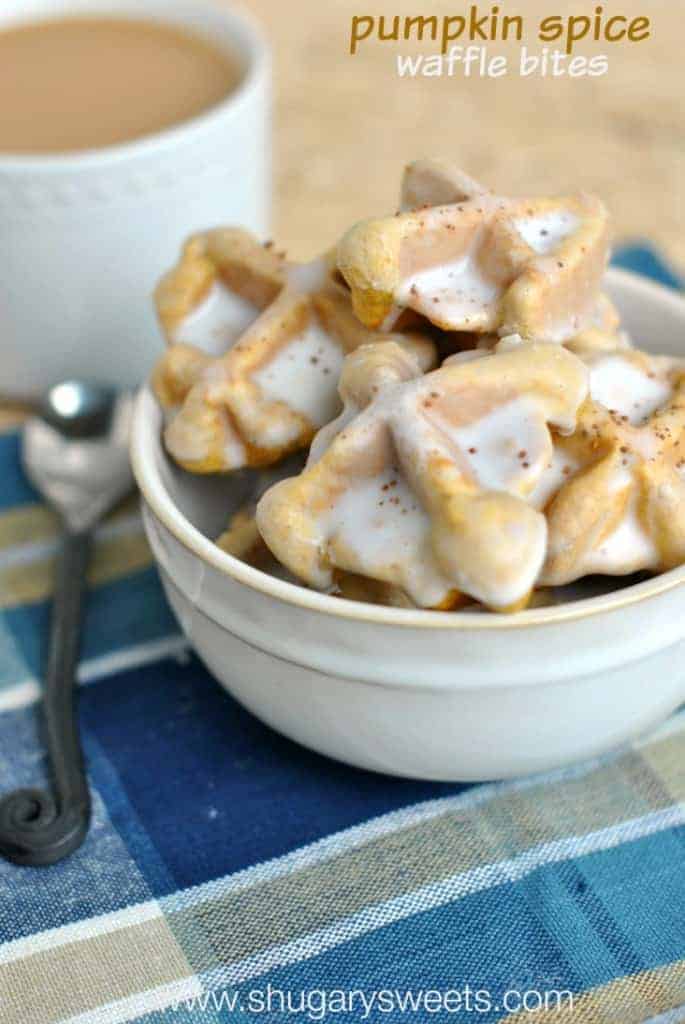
x=85, y=236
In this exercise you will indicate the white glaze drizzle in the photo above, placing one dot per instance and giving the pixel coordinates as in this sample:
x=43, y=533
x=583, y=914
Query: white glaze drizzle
x=545, y=232
x=304, y=374
x=628, y=548
x=506, y=450
x=217, y=322
x=618, y=384
x=456, y=294
x=379, y=529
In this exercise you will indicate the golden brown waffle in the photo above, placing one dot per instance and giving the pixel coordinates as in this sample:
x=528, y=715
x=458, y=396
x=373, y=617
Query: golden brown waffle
x=622, y=508
x=221, y=283
x=436, y=183
x=468, y=260
x=427, y=482
x=242, y=540
x=276, y=385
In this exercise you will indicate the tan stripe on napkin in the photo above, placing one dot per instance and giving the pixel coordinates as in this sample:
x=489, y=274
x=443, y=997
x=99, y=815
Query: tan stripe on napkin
x=630, y=1000
x=12, y=415
x=113, y=559
x=33, y=524
x=82, y=976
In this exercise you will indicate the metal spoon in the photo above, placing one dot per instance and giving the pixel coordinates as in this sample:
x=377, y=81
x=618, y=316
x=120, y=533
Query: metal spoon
x=75, y=452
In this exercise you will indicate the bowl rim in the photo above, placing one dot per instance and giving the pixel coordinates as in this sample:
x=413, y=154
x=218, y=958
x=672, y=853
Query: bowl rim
x=145, y=441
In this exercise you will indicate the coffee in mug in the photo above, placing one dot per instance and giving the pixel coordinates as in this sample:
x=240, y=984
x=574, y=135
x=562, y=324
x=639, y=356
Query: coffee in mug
x=77, y=83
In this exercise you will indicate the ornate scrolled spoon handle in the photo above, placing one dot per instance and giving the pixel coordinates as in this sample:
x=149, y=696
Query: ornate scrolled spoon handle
x=37, y=829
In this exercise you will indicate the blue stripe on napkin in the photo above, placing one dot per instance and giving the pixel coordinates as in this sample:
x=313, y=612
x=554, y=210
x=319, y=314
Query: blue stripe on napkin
x=122, y=614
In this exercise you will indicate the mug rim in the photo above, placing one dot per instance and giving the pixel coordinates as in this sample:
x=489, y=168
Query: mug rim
x=245, y=31
x=164, y=509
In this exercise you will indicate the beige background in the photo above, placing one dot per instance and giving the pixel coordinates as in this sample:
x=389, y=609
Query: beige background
x=345, y=125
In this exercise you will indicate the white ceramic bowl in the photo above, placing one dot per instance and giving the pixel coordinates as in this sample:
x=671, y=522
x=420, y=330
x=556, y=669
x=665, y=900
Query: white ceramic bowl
x=417, y=693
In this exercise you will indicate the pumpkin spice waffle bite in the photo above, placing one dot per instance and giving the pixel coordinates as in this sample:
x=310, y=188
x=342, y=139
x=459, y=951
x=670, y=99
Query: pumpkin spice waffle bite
x=271, y=385
x=425, y=480
x=469, y=260
x=622, y=506
x=224, y=279
x=242, y=540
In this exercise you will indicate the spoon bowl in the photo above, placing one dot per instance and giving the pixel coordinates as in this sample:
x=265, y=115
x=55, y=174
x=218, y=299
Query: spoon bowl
x=78, y=408
x=74, y=451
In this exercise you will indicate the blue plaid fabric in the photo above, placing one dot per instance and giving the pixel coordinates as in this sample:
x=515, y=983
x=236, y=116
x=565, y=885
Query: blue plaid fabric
x=232, y=875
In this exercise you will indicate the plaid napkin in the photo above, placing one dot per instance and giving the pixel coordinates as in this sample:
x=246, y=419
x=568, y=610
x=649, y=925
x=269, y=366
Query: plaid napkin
x=231, y=875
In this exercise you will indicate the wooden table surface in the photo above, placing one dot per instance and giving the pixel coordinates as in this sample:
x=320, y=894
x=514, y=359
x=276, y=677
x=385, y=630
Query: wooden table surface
x=346, y=125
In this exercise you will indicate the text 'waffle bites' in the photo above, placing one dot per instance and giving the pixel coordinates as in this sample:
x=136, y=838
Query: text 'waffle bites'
x=468, y=260
x=427, y=482
x=276, y=333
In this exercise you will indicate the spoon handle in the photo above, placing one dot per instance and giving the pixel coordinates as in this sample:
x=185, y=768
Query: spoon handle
x=36, y=828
